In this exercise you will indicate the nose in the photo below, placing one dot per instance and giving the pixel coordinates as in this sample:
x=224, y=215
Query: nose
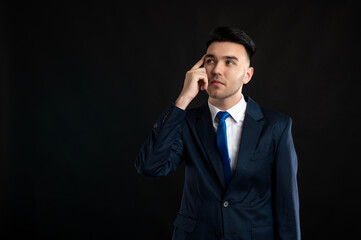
x=217, y=70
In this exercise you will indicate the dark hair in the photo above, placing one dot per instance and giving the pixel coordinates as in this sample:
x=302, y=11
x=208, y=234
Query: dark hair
x=232, y=34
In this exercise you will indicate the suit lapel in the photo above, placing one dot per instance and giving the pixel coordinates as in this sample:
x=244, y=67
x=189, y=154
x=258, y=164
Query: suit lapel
x=207, y=135
x=252, y=128
x=251, y=131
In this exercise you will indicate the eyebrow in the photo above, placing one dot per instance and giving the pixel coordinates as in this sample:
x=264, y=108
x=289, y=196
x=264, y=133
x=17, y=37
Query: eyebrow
x=224, y=57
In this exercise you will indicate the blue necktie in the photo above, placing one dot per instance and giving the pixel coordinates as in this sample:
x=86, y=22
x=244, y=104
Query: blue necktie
x=223, y=146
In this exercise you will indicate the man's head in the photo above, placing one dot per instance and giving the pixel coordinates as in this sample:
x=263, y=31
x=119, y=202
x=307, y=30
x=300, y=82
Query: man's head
x=231, y=34
x=227, y=63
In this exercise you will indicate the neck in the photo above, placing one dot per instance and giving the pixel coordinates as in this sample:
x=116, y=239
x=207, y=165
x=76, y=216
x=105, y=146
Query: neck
x=226, y=103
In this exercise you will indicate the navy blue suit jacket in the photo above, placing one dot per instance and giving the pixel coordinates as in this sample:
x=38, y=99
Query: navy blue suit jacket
x=260, y=202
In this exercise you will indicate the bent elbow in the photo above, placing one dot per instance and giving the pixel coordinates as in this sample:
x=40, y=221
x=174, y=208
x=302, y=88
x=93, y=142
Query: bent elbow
x=144, y=168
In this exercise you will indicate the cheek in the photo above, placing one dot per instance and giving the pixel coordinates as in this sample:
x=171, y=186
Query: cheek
x=208, y=71
x=236, y=78
x=233, y=74
x=239, y=75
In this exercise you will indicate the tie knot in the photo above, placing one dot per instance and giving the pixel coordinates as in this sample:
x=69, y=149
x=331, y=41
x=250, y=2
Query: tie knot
x=222, y=115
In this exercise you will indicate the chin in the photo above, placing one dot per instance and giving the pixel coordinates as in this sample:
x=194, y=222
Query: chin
x=214, y=93
x=216, y=96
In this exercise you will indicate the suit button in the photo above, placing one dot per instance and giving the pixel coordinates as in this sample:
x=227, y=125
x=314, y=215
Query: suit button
x=225, y=204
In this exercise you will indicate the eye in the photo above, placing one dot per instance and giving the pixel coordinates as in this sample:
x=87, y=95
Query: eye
x=209, y=61
x=228, y=62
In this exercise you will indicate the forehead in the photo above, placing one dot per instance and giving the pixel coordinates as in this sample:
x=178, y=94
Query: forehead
x=220, y=49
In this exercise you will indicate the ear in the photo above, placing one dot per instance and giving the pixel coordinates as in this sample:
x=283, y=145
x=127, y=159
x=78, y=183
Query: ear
x=248, y=75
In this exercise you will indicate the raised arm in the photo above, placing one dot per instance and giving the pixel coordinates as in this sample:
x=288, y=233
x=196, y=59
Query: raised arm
x=163, y=150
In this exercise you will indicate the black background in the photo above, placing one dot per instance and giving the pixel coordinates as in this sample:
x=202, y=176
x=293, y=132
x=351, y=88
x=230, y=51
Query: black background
x=82, y=85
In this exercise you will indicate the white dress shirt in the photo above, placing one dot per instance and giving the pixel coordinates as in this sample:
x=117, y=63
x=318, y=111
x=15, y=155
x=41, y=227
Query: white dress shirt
x=234, y=124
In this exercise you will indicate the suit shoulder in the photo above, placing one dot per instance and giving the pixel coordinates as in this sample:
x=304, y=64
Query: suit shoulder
x=192, y=113
x=275, y=117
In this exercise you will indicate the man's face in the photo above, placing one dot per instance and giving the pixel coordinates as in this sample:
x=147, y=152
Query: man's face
x=227, y=67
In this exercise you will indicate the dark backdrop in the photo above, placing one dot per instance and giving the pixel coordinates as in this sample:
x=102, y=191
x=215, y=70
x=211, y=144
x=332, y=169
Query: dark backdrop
x=82, y=85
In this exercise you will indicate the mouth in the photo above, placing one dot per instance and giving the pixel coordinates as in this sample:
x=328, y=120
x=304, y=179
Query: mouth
x=217, y=83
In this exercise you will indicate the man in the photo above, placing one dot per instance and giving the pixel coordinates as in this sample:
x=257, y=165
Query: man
x=240, y=161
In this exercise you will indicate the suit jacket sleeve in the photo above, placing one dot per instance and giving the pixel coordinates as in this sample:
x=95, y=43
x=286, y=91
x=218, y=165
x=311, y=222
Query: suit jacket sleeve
x=163, y=150
x=286, y=202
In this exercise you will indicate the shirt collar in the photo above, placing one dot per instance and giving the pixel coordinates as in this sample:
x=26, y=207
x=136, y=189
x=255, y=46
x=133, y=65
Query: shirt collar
x=237, y=112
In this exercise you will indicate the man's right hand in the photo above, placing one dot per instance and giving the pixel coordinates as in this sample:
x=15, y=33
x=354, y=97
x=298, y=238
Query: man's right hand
x=196, y=79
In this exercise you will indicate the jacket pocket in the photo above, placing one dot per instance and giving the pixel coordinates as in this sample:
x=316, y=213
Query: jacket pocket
x=262, y=233
x=185, y=223
x=261, y=155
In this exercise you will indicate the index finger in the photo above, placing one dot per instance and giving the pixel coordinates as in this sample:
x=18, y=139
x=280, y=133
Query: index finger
x=199, y=63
